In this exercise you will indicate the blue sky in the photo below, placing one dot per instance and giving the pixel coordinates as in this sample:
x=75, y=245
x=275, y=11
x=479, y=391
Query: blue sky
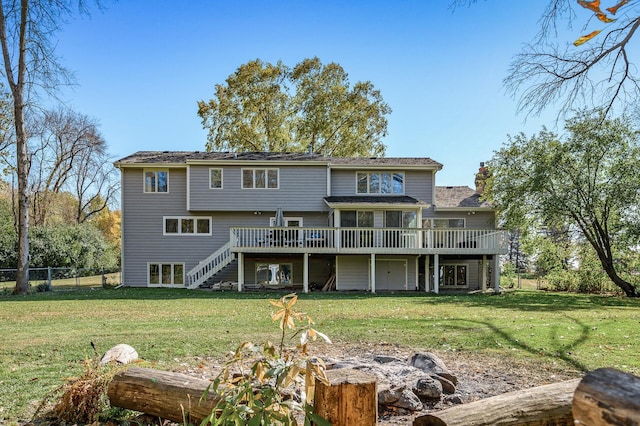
x=141, y=66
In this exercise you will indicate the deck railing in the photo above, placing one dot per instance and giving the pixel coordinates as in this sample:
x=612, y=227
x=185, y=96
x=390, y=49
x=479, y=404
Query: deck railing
x=325, y=239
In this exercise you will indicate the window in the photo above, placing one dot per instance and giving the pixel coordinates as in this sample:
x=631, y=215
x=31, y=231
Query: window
x=166, y=273
x=453, y=275
x=356, y=219
x=274, y=273
x=187, y=226
x=260, y=179
x=380, y=183
x=400, y=219
x=215, y=178
x=156, y=180
x=446, y=223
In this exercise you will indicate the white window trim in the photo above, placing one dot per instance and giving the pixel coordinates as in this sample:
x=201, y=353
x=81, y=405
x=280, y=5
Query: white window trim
x=184, y=274
x=144, y=180
x=466, y=278
x=266, y=171
x=186, y=234
x=391, y=172
x=221, y=178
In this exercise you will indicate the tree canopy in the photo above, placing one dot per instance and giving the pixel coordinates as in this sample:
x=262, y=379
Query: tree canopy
x=273, y=107
x=586, y=180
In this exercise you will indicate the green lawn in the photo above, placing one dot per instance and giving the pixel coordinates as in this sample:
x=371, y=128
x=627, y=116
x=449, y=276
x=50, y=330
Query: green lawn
x=45, y=336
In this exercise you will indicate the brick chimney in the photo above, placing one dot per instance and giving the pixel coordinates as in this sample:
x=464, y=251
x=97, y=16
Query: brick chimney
x=481, y=178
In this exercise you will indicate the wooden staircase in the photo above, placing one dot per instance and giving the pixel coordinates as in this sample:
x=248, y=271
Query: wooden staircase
x=210, y=266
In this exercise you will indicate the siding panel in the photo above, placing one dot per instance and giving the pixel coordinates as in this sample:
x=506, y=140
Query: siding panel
x=301, y=188
x=352, y=273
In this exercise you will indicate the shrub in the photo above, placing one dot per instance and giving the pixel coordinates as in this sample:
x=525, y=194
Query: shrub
x=270, y=384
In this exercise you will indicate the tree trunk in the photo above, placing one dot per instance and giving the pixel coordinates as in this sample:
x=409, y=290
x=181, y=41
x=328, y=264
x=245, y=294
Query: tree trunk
x=540, y=406
x=168, y=395
x=607, y=396
x=350, y=399
x=22, y=274
x=610, y=270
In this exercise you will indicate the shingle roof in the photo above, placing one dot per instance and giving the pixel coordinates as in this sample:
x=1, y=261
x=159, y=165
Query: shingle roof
x=374, y=199
x=458, y=196
x=385, y=161
x=182, y=157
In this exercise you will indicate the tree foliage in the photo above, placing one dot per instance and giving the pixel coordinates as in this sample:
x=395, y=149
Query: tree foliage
x=272, y=107
x=588, y=180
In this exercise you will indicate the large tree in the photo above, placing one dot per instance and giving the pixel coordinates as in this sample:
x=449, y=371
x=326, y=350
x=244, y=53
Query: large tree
x=30, y=67
x=68, y=154
x=587, y=179
x=267, y=107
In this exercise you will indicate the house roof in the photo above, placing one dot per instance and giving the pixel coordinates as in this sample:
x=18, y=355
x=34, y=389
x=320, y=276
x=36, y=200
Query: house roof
x=447, y=197
x=184, y=157
x=398, y=200
x=384, y=161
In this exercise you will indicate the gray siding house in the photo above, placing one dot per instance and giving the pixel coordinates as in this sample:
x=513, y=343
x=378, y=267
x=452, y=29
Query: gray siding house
x=300, y=221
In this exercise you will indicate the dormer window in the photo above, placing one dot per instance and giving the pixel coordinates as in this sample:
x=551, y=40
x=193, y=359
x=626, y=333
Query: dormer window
x=380, y=183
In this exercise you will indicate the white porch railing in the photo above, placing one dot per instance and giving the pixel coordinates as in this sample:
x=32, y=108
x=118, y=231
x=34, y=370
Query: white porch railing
x=210, y=266
x=369, y=240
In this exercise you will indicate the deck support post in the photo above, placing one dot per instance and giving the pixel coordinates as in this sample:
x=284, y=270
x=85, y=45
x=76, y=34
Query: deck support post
x=436, y=274
x=483, y=279
x=240, y=271
x=496, y=273
x=373, y=272
x=427, y=276
x=305, y=273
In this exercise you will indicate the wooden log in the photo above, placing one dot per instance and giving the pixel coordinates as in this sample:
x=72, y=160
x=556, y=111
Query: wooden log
x=607, y=396
x=540, y=406
x=351, y=399
x=164, y=394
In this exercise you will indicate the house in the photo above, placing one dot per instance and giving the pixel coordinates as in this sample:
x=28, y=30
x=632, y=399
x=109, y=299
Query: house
x=299, y=220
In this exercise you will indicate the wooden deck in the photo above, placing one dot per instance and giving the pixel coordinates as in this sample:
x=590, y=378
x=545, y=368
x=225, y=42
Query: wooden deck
x=368, y=240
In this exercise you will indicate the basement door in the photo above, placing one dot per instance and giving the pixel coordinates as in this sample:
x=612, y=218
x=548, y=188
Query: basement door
x=391, y=274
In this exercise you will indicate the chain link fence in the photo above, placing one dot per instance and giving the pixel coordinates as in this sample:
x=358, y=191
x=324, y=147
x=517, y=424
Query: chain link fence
x=54, y=279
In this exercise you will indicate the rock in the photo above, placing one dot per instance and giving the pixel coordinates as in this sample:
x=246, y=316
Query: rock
x=122, y=354
x=385, y=359
x=400, y=398
x=428, y=388
x=447, y=386
x=431, y=364
x=454, y=399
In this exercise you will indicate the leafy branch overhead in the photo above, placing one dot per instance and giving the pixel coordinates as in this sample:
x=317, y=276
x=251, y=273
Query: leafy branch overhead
x=594, y=6
x=595, y=70
x=276, y=108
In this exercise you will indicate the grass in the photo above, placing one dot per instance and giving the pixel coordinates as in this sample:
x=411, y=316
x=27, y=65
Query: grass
x=45, y=336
